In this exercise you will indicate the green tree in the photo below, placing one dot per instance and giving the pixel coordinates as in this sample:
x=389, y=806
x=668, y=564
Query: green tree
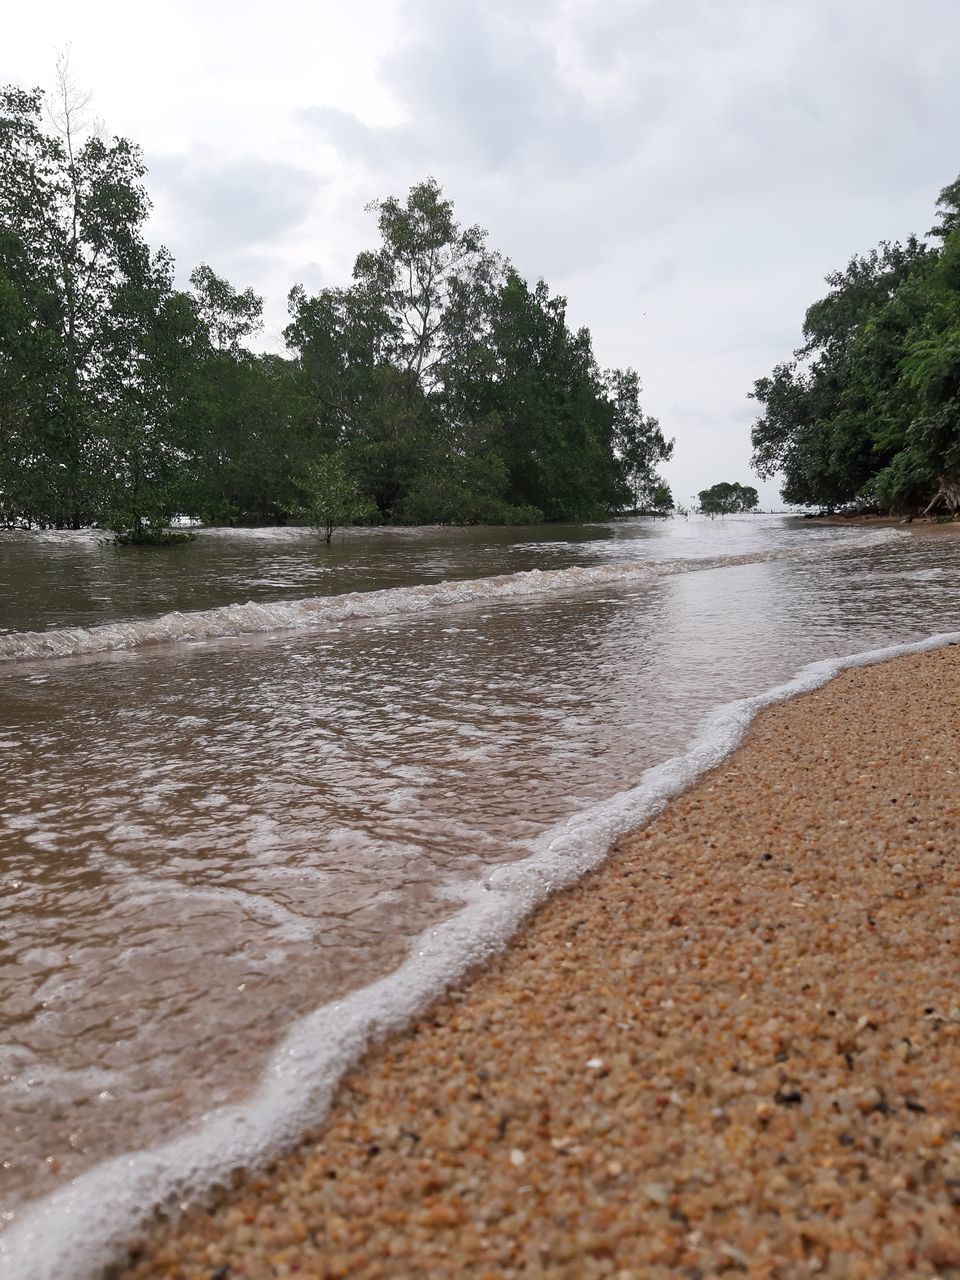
x=656, y=500
x=246, y=429
x=820, y=426
x=249, y=418
x=436, y=381
x=928, y=465
x=558, y=425
x=331, y=496
x=72, y=258
x=726, y=499
x=867, y=412
x=379, y=357
x=359, y=398
x=228, y=316
x=432, y=279
x=639, y=442
x=145, y=466
x=461, y=393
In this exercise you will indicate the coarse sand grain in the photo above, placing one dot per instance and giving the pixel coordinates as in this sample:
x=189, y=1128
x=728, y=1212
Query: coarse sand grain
x=733, y=1050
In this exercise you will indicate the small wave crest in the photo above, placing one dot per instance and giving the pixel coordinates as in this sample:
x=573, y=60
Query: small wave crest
x=324, y=611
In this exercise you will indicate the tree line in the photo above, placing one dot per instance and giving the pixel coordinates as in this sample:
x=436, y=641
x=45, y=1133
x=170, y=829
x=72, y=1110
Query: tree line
x=436, y=386
x=867, y=413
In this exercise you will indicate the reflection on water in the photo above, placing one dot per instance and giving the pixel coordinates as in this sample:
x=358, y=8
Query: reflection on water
x=201, y=842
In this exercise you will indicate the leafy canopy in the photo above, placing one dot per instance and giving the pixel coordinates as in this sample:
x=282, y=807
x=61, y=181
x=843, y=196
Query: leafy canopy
x=867, y=412
x=726, y=499
x=435, y=385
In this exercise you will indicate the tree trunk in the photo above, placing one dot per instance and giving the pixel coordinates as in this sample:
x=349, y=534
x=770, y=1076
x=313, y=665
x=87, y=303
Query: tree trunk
x=948, y=494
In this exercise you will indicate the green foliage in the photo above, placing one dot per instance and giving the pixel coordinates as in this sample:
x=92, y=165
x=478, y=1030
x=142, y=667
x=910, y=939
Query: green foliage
x=228, y=316
x=641, y=445
x=657, y=500
x=725, y=499
x=435, y=386
x=91, y=337
x=331, y=496
x=464, y=490
x=868, y=412
x=461, y=393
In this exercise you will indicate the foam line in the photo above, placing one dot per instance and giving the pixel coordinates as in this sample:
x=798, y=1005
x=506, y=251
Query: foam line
x=74, y=1232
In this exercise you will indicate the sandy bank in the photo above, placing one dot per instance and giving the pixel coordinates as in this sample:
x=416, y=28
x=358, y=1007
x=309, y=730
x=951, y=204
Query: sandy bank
x=922, y=526
x=733, y=1050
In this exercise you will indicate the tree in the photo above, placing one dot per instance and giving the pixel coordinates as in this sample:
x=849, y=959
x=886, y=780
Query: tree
x=228, y=316
x=360, y=399
x=250, y=420
x=72, y=260
x=331, y=496
x=726, y=499
x=822, y=410
x=639, y=442
x=868, y=412
x=461, y=393
x=448, y=389
x=657, y=500
x=380, y=357
x=948, y=211
x=562, y=421
x=929, y=461
x=432, y=278
x=152, y=345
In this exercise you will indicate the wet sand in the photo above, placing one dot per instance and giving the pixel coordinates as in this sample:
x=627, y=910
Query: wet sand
x=734, y=1050
x=921, y=526
x=935, y=527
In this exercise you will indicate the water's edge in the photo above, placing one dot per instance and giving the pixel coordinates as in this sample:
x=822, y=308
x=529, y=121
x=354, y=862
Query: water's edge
x=74, y=1232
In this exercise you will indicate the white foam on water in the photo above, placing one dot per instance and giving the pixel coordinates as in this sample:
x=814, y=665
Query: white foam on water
x=92, y=538
x=330, y=611
x=76, y=1231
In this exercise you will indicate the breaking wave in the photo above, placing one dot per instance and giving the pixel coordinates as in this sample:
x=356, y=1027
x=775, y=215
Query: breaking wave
x=327, y=611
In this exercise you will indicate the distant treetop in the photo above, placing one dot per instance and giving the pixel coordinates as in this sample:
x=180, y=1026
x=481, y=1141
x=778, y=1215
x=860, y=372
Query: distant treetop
x=725, y=499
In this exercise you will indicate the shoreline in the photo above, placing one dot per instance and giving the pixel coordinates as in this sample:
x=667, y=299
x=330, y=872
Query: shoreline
x=920, y=526
x=649, y=1081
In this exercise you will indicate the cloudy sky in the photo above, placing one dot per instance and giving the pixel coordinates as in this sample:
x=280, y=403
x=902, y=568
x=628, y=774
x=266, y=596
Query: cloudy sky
x=685, y=172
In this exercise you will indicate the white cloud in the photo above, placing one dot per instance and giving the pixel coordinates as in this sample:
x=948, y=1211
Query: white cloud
x=205, y=204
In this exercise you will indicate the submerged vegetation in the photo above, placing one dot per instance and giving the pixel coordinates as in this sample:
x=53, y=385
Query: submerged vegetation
x=867, y=413
x=437, y=386
x=150, y=536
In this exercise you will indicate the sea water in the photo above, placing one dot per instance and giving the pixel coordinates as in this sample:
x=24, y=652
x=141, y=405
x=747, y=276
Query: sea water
x=260, y=798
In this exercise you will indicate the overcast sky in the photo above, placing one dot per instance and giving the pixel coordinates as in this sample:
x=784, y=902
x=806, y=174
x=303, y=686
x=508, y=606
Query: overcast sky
x=685, y=172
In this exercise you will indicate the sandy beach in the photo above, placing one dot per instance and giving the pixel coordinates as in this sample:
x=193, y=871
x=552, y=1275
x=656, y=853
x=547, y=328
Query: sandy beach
x=735, y=1049
x=922, y=526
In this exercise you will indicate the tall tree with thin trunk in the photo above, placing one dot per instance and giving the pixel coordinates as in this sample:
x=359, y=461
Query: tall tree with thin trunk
x=72, y=209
